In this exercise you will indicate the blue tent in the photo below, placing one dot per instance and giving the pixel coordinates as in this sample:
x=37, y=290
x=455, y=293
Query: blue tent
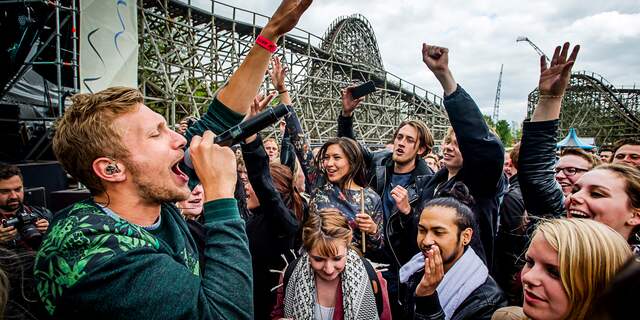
x=572, y=141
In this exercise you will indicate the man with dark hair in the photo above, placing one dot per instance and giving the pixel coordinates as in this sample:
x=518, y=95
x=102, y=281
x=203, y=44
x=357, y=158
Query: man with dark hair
x=21, y=225
x=447, y=279
x=627, y=151
x=398, y=176
x=606, y=154
x=127, y=253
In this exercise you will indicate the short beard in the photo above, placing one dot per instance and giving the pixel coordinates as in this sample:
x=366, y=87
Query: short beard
x=151, y=191
x=8, y=208
x=410, y=160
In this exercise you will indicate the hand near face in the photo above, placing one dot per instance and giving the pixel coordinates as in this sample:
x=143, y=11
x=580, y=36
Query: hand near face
x=7, y=234
x=401, y=197
x=366, y=224
x=433, y=273
x=215, y=166
x=42, y=225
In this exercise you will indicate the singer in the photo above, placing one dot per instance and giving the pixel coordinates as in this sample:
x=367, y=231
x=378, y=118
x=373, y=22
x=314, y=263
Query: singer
x=126, y=253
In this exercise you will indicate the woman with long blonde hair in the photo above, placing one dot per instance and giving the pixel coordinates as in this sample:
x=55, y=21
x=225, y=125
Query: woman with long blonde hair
x=568, y=263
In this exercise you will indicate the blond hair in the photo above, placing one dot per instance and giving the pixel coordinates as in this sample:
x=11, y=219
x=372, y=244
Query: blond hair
x=589, y=255
x=326, y=230
x=86, y=132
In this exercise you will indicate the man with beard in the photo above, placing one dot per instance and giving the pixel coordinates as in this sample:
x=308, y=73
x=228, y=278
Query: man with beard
x=127, y=253
x=20, y=235
x=18, y=244
x=447, y=279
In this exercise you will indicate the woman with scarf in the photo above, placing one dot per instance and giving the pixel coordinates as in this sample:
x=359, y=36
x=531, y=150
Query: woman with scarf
x=330, y=281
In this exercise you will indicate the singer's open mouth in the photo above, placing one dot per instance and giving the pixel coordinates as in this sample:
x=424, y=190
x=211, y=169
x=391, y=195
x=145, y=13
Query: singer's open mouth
x=176, y=170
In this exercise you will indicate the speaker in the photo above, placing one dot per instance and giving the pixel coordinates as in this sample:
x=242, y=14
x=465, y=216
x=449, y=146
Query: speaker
x=50, y=175
x=64, y=198
x=35, y=197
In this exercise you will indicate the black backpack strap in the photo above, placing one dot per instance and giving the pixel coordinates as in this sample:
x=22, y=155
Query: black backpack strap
x=288, y=271
x=375, y=284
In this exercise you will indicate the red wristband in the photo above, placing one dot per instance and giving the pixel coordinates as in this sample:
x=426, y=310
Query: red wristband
x=266, y=43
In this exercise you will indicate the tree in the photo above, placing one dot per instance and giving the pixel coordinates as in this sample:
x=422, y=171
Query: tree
x=504, y=132
x=489, y=121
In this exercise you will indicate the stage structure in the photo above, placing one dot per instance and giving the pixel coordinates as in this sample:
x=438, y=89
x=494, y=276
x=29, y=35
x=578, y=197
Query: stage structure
x=596, y=108
x=187, y=52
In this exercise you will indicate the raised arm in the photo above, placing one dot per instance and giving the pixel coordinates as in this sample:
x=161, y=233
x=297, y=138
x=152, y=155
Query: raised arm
x=482, y=152
x=345, y=120
x=234, y=100
x=541, y=193
x=244, y=83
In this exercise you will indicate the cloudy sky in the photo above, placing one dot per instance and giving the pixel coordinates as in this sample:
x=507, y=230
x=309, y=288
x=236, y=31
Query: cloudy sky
x=482, y=34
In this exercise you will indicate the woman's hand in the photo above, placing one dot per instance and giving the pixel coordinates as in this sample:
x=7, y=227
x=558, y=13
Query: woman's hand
x=366, y=224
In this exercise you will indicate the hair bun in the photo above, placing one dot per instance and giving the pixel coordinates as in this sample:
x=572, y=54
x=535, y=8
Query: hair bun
x=458, y=191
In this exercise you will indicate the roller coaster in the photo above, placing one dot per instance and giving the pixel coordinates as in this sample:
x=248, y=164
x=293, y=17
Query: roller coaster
x=597, y=109
x=187, y=52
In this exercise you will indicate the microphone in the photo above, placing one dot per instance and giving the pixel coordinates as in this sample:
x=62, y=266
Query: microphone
x=246, y=129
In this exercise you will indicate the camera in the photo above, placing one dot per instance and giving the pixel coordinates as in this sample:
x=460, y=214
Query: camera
x=25, y=223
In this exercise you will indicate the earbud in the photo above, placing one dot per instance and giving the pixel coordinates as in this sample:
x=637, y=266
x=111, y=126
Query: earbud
x=112, y=168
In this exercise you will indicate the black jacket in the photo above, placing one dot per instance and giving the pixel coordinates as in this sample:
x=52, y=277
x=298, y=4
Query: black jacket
x=511, y=243
x=272, y=229
x=400, y=233
x=483, y=156
x=479, y=305
x=541, y=192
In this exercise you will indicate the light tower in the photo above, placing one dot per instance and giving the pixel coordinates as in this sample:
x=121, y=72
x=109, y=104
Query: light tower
x=496, y=106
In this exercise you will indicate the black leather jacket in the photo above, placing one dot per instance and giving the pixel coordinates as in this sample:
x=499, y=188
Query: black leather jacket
x=479, y=305
x=541, y=192
x=481, y=172
x=400, y=234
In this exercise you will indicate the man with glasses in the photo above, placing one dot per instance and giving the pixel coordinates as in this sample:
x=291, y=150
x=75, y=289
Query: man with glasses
x=572, y=165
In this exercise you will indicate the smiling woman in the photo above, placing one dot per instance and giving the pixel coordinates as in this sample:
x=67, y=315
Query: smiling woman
x=343, y=186
x=568, y=263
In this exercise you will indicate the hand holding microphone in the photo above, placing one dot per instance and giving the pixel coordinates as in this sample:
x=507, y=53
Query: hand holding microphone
x=243, y=130
x=215, y=166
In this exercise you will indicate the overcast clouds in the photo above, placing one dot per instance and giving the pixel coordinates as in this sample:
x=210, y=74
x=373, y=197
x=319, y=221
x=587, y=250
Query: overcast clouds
x=481, y=35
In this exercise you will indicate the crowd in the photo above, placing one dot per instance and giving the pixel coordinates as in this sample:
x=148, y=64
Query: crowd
x=279, y=230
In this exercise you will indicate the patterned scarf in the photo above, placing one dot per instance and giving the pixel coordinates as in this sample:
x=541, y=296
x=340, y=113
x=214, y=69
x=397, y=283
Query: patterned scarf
x=357, y=296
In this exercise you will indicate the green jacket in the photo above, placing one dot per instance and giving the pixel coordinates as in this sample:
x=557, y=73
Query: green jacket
x=96, y=266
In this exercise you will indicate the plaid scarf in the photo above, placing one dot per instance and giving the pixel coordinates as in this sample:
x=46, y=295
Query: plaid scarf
x=357, y=296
